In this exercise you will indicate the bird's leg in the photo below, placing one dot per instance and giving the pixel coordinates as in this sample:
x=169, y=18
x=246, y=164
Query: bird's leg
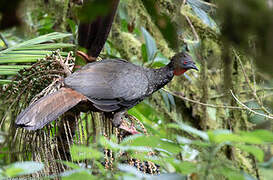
x=120, y=123
x=117, y=119
x=131, y=129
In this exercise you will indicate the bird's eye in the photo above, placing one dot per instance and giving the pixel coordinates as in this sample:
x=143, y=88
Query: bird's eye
x=185, y=62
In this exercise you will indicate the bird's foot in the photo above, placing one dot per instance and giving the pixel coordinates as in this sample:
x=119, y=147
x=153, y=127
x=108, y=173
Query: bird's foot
x=129, y=128
x=118, y=122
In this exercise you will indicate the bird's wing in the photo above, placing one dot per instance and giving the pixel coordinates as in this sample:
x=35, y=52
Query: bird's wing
x=110, y=84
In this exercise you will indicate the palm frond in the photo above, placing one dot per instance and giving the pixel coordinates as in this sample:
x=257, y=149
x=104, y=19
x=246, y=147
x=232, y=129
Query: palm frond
x=22, y=54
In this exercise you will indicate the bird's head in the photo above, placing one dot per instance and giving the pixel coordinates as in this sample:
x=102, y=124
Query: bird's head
x=182, y=62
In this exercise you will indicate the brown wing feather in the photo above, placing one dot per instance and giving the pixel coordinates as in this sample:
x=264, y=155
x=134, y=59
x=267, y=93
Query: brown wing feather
x=48, y=108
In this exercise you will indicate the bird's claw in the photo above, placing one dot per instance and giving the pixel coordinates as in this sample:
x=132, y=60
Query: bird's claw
x=118, y=122
x=132, y=130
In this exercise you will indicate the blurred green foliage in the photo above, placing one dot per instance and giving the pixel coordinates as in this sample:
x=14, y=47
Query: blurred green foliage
x=20, y=169
x=163, y=22
x=180, y=149
x=93, y=9
x=249, y=26
x=167, y=152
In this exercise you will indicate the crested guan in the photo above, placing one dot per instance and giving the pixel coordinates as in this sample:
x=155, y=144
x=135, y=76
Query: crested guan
x=112, y=85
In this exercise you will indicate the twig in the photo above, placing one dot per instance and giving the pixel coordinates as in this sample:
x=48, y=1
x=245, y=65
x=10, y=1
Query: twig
x=200, y=103
x=184, y=2
x=264, y=96
x=243, y=92
x=192, y=27
x=254, y=78
x=250, y=87
x=48, y=89
x=189, y=21
x=153, y=59
x=71, y=65
x=251, y=110
x=15, y=100
x=208, y=4
x=64, y=66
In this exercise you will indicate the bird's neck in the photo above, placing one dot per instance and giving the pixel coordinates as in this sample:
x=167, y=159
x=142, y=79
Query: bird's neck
x=159, y=77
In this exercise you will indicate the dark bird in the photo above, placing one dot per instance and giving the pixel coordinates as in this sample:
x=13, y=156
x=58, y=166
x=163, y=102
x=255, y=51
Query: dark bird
x=112, y=85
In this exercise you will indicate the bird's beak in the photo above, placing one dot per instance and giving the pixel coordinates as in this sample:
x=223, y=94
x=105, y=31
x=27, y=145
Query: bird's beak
x=192, y=66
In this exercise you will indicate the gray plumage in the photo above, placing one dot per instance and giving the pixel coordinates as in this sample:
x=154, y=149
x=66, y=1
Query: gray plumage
x=115, y=85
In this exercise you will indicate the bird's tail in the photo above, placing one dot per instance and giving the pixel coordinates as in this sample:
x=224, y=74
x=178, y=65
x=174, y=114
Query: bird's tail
x=48, y=108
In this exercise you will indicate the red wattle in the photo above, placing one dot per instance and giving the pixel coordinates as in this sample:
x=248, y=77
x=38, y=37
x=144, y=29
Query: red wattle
x=179, y=72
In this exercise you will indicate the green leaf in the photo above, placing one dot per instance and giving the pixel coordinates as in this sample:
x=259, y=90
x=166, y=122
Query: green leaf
x=124, y=25
x=160, y=60
x=19, y=60
x=77, y=175
x=46, y=46
x=14, y=67
x=2, y=72
x=254, y=137
x=5, y=81
x=23, y=168
x=72, y=25
x=266, y=173
x=212, y=113
x=135, y=112
x=268, y=164
x=109, y=144
x=201, y=10
x=114, y=146
x=83, y=152
x=255, y=151
x=36, y=41
x=160, y=160
x=19, y=56
x=231, y=174
x=132, y=170
x=225, y=136
x=165, y=99
x=263, y=135
x=13, y=172
x=153, y=142
x=255, y=118
x=189, y=153
x=70, y=164
x=28, y=52
x=144, y=53
x=150, y=44
x=169, y=176
x=34, y=52
x=190, y=130
x=187, y=167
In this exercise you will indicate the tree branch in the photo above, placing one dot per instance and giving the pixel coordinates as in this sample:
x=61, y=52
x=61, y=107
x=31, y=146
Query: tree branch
x=251, y=110
x=177, y=94
x=253, y=89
